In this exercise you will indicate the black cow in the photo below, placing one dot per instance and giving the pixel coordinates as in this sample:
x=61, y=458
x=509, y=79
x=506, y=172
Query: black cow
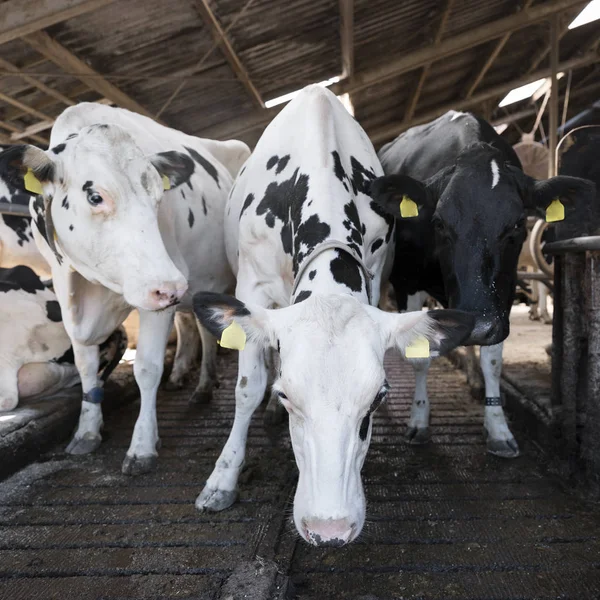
x=463, y=247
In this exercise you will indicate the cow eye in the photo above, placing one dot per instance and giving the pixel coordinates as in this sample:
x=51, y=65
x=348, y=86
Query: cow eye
x=94, y=198
x=282, y=395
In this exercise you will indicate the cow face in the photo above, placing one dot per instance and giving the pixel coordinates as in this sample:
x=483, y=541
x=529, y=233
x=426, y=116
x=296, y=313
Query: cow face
x=331, y=381
x=479, y=226
x=99, y=210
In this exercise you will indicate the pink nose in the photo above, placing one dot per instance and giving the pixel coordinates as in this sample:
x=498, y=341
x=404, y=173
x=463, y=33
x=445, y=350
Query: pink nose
x=166, y=295
x=328, y=532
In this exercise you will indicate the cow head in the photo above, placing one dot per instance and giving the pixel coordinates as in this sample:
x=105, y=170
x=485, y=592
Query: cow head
x=98, y=206
x=475, y=215
x=331, y=381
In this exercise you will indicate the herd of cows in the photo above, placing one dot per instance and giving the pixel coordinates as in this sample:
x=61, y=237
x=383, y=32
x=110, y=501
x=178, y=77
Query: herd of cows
x=126, y=213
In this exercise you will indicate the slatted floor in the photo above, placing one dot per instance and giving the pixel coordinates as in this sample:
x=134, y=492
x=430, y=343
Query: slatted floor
x=446, y=521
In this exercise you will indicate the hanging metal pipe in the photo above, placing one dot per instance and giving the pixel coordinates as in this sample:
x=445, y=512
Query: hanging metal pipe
x=553, y=125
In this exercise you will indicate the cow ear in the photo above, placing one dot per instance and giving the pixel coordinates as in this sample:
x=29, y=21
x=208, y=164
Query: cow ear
x=177, y=167
x=401, y=196
x=26, y=168
x=578, y=196
x=232, y=321
x=424, y=334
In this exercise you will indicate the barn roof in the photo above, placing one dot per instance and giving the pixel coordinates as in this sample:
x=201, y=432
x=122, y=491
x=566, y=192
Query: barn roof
x=208, y=66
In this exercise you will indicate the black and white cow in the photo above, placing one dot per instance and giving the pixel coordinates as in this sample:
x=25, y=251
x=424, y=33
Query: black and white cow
x=130, y=215
x=473, y=200
x=36, y=358
x=308, y=246
x=17, y=246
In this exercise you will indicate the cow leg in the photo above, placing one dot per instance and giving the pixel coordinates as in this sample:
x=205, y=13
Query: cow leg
x=416, y=301
x=188, y=344
x=220, y=490
x=147, y=368
x=543, y=304
x=87, y=435
x=534, y=313
x=46, y=379
x=500, y=441
x=473, y=372
x=417, y=431
x=208, y=368
x=275, y=413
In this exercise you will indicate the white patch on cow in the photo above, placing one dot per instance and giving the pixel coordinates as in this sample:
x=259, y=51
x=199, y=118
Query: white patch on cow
x=456, y=115
x=495, y=173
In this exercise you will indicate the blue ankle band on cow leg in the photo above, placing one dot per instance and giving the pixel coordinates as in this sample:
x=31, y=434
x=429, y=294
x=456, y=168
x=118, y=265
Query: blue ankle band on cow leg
x=94, y=396
x=493, y=401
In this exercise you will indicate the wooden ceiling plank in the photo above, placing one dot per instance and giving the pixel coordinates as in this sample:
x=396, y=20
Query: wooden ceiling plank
x=221, y=39
x=22, y=17
x=347, y=37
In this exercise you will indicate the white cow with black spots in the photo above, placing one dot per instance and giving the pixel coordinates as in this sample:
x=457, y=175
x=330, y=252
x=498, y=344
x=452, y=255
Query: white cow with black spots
x=308, y=249
x=36, y=358
x=130, y=215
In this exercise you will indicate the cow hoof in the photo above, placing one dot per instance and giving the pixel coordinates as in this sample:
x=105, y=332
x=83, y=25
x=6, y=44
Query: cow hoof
x=215, y=500
x=417, y=436
x=201, y=397
x=173, y=386
x=84, y=445
x=503, y=448
x=138, y=465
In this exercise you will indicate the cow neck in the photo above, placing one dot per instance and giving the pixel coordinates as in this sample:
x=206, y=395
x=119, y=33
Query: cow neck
x=333, y=245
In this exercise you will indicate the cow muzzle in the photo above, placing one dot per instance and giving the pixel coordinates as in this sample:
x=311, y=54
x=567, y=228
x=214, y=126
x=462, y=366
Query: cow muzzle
x=165, y=295
x=328, y=532
x=488, y=332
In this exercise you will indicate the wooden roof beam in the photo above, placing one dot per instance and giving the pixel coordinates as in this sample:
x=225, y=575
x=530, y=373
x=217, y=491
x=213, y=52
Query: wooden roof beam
x=20, y=17
x=14, y=129
x=487, y=65
x=393, y=129
x=24, y=107
x=10, y=68
x=66, y=60
x=414, y=99
x=221, y=39
x=347, y=37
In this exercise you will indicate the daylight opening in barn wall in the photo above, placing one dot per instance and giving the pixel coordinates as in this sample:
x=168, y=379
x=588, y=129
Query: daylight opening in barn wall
x=299, y=300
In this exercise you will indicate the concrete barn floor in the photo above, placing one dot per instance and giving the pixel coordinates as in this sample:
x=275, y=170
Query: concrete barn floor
x=444, y=521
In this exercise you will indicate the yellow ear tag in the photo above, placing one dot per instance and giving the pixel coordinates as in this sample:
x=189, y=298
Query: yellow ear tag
x=166, y=183
x=408, y=208
x=555, y=212
x=418, y=349
x=32, y=183
x=233, y=337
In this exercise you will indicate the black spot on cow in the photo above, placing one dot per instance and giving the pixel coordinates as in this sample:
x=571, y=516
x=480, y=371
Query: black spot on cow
x=361, y=177
x=247, y=202
x=59, y=148
x=312, y=274
x=40, y=220
x=20, y=225
x=339, y=170
x=87, y=186
x=144, y=180
x=71, y=136
x=303, y=295
x=386, y=216
x=282, y=164
x=207, y=166
x=353, y=225
x=71, y=228
x=346, y=270
x=272, y=162
x=376, y=245
x=65, y=202
x=53, y=311
x=284, y=201
x=183, y=194
x=20, y=278
x=191, y=218
x=204, y=209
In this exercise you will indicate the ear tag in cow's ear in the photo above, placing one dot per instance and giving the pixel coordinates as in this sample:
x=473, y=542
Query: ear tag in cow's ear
x=32, y=183
x=408, y=208
x=418, y=349
x=555, y=212
x=166, y=183
x=233, y=337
